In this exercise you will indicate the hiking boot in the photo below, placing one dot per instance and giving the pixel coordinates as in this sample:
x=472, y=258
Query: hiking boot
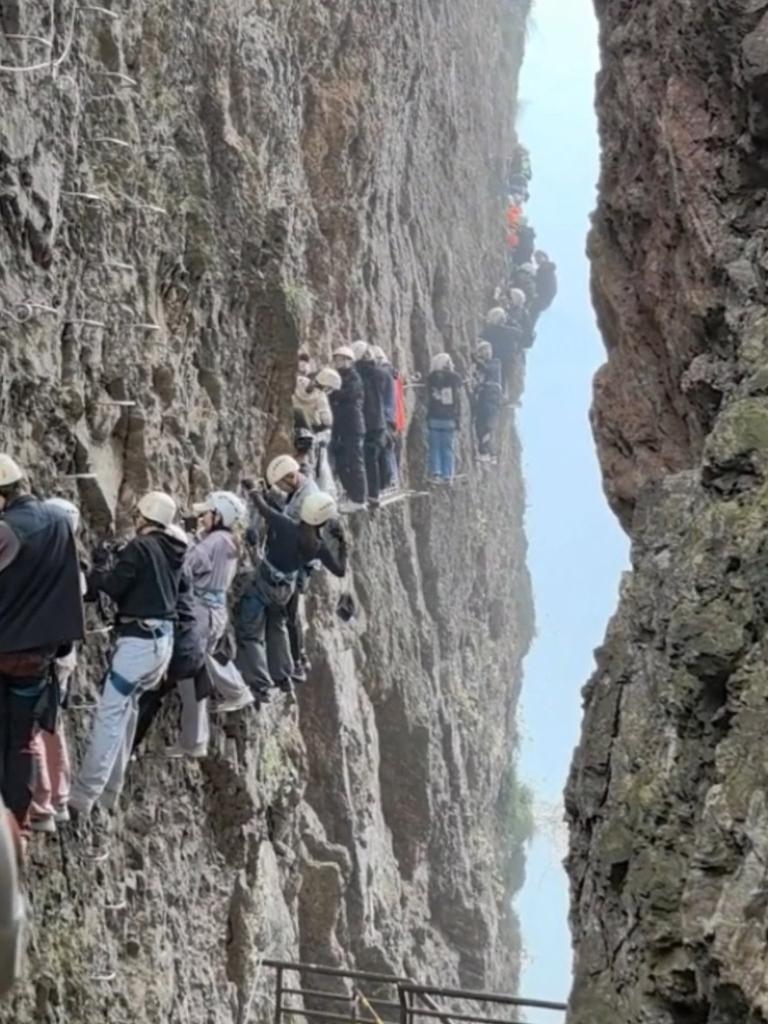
x=177, y=751
x=61, y=815
x=286, y=686
x=242, y=701
x=43, y=823
x=299, y=674
x=373, y=504
x=261, y=697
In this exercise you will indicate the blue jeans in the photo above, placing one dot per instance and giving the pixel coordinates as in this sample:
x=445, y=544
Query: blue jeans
x=138, y=664
x=441, y=461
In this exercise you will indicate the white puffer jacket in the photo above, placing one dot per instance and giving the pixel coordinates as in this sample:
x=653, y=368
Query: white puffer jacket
x=312, y=404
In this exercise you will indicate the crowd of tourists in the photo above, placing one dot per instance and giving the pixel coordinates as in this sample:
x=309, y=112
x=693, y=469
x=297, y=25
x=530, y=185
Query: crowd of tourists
x=207, y=601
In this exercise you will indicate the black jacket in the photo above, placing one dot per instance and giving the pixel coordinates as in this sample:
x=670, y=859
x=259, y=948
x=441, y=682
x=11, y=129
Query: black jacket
x=347, y=404
x=377, y=384
x=40, y=600
x=444, y=389
x=504, y=339
x=487, y=393
x=546, y=285
x=189, y=639
x=144, y=583
x=291, y=546
x=526, y=244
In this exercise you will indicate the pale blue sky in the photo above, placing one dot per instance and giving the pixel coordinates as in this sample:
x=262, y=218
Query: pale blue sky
x=577, y=550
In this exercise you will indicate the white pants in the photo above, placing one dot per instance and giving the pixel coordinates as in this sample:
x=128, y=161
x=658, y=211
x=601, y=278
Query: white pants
x=225, y=679
x=195, y=728
x=138, y=665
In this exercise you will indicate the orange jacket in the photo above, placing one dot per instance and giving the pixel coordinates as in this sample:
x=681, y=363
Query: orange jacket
x=400, y=418
x=514, y=213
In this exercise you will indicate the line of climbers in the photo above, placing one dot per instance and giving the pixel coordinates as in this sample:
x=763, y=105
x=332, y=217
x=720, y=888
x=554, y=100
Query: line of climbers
x=171, y=591
x=529, y=287
x=173, y=588
x=350, y=419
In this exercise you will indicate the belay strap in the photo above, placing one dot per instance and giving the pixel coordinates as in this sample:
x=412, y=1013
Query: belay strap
x=123, y=686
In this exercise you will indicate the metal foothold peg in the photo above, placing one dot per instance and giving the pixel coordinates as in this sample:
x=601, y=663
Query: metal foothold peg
x=78, y=476
x=104, y=977
x=121, y=403
x=112, y=141
x=35, y=39
x=39, y=307
x=93, y=196
x=93, y=9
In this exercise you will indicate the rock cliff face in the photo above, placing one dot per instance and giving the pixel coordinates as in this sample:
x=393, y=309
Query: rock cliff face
x=189, y=191
x=667, y=797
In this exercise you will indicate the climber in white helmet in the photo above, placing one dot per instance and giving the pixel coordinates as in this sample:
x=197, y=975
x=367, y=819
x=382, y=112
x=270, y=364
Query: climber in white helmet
x=186, y=670
x=311, y=408
x=263, y=645
x=443, y=417
x=41, y=616
x=49, y=748
x=143, y=584
x=349, y=430
x=213, y=562
x=290, y=484
x=12, y=906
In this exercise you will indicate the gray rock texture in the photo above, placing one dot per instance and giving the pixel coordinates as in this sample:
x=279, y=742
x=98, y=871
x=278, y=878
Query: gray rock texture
x=189, y=191
x=667, y=793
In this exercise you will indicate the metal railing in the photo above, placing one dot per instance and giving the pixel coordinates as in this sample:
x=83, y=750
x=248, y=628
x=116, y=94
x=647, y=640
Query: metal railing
x=365, y=997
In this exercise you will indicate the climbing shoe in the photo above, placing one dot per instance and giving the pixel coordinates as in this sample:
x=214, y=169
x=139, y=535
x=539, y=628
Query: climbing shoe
x=242, y=701
x=45, y=823
x=177, y=751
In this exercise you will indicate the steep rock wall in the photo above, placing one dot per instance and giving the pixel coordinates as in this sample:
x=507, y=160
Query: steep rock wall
x=191, y=193
x=667, y=792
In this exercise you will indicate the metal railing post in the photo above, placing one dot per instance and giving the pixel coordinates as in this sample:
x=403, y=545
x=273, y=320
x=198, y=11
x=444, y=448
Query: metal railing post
x=278, y=994
x=403, y=1005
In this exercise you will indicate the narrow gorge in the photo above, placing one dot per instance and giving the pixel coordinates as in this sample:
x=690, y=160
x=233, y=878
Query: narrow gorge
x=667, y=796
x=189, y=193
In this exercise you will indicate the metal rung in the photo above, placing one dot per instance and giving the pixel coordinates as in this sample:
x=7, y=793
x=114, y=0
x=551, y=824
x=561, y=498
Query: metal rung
x=334, y=972
x=481, y=997
x=319, y=1014
x=91, y=8
x=442, y=1014
x=317, y=994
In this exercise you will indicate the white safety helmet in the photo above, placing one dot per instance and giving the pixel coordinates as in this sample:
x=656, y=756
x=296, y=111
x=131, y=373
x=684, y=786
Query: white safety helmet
x=280, y=468
x=317, y=508
x=360, y=349
x=344, y=352
x=484, y=350
x=10, y=471
x=158, y=507
x=528, y=268
x=497, y=315
x=517, y=297
x=72, y=512
x=229, y=507
x=328, y=378
x=442, y=361
x=378, y=354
